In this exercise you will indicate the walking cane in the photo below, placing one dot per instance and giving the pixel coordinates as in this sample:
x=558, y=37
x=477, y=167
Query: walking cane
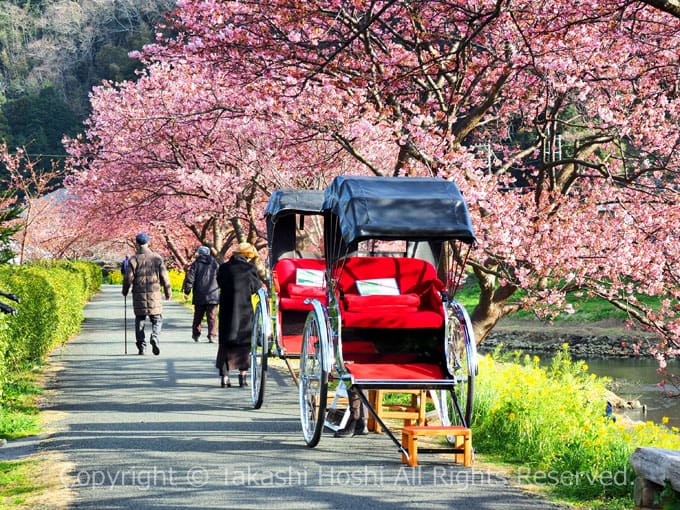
x=125, y=318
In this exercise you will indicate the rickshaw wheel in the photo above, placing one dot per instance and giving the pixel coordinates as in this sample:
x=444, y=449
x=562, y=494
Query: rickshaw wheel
x=461, y=354
x=259, y=350
x=313, y=389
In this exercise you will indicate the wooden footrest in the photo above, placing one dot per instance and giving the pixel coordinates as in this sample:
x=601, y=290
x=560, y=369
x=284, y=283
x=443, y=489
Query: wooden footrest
x=409, y=413
x=463, y=446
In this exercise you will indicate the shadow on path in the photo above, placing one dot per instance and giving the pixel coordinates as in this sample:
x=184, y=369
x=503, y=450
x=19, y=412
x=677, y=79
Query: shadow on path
x=152, y=432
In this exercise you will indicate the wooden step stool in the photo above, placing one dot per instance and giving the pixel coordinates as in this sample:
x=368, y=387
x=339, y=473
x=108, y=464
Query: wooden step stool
x=462, y=449
x=414, y=412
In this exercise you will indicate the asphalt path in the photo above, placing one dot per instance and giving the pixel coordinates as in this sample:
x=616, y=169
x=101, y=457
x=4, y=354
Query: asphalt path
x=151, y=432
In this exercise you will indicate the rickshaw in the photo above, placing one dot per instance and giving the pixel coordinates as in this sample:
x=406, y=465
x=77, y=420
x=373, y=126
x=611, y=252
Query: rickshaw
x=294, y=275
x=395, y=252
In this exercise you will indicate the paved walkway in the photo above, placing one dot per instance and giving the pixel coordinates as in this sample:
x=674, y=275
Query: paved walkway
x=151, y=432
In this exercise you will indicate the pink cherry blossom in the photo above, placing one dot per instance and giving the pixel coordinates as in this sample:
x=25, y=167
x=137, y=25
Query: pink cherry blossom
x=558, y=120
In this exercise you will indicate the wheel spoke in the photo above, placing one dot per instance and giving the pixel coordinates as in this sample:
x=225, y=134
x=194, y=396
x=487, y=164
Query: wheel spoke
x=313, y=381
x=258, y=356
x=461, y=359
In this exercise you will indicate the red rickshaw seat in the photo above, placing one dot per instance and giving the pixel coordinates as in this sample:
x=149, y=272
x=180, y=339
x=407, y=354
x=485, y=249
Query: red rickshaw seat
x=292, y=295
x=418, y=303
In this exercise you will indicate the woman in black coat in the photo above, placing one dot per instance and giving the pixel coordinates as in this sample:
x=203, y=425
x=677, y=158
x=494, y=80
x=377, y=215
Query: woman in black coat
x=238, y=281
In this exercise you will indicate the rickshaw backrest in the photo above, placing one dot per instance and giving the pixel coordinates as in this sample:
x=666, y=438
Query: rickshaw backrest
x=409, y=297
x=299, y=279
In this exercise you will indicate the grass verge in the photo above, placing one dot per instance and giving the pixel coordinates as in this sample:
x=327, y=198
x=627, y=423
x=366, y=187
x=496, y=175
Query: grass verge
x=32, y=481
x=19, y=407
x=17, y=480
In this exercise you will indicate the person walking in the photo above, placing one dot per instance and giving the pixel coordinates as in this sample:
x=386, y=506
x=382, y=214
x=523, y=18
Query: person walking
x=147, y=275
x=201, y=279
x=124, y=265
x=238, y=280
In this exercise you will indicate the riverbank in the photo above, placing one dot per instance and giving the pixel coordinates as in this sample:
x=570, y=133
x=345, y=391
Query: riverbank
x=606, y=346
x=592, y=339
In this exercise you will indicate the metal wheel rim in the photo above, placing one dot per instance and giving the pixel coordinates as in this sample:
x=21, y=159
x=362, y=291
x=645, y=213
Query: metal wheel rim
x=313, y=382
x=463, y=355
x=258, y=358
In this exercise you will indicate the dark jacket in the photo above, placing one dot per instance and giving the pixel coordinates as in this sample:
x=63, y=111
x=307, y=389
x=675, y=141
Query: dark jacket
x=147, y=274
x=238, y=281
x=202, y=279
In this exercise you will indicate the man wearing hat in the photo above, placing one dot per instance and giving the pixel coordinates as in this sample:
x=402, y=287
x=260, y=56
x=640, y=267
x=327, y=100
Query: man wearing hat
x=201, y=278
x=238, y=281
x=147, y=275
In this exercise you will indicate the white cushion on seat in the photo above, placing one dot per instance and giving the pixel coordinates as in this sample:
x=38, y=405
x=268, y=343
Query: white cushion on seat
x=381, y=286
x=309, y=277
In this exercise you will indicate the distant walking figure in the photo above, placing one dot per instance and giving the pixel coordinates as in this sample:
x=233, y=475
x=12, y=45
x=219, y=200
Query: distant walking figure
x=147, y=274
x=124, y=265
x=201, y=278
x=238, y=280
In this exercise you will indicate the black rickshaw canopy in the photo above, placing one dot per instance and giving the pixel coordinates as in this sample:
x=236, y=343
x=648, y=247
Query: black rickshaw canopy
x=398, y=208
x=285, y=209
x=294, y=201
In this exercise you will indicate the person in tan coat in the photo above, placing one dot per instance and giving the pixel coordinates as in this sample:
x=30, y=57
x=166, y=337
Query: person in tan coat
x=147, y=275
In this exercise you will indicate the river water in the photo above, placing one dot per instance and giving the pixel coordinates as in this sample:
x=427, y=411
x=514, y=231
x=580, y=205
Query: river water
x=637, y=379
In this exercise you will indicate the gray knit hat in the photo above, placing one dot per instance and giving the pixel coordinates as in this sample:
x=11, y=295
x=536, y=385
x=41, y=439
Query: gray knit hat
x=203, y=250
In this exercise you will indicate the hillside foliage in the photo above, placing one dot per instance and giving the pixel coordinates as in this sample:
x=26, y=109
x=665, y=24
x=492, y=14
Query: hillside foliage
x=52, y=52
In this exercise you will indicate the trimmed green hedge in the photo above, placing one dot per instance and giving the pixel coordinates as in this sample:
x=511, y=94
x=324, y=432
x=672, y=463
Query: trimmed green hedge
x=52, y=295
